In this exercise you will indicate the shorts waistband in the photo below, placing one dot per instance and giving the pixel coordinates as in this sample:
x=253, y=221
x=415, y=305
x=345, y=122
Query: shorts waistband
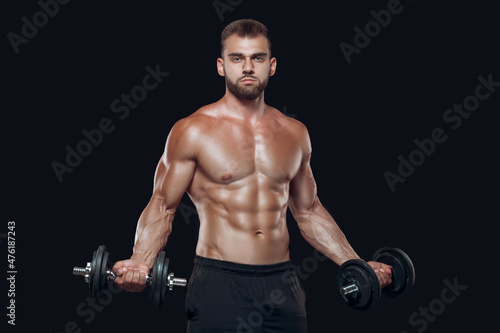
x=243, y=269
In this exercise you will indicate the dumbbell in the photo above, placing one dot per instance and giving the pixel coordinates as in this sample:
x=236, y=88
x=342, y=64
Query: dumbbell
x=98, y=273
x=359, y=285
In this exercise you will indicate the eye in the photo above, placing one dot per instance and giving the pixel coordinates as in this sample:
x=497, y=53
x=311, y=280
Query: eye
x=236, y=59
x=259, y=58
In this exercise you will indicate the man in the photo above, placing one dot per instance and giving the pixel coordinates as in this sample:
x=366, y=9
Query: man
x=242, y=163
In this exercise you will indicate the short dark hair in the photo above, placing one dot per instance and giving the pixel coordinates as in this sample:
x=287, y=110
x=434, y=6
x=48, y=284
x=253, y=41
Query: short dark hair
x=244, y=28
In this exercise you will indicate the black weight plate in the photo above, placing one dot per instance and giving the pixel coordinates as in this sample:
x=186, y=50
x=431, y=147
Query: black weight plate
x=103, y=280
x=359, y=272
x=156, y=287
x=152, y=286
x=96, y=273
x=403, y=271
x=92, y=270
x=164, y=280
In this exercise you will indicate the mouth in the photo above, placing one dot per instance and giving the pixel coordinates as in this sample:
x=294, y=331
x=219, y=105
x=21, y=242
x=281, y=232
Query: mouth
x=247, y=80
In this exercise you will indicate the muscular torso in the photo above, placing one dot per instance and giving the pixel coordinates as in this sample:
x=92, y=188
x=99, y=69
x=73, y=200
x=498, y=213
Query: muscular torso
x=241, y=185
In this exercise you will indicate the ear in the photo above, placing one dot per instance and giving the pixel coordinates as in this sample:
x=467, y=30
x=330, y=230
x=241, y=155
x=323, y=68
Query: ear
x=272, y=68
x=220, y=67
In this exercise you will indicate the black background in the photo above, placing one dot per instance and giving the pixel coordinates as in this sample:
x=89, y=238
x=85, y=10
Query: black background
x=361, y=116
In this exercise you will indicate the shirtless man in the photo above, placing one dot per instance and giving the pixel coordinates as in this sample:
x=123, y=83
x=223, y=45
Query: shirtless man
x=242, y=163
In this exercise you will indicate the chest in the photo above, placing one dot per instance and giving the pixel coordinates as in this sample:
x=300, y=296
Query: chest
x=231, y=153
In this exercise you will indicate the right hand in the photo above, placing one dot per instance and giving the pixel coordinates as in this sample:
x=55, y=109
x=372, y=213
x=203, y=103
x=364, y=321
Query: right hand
x=130, y=275
x=383, y=271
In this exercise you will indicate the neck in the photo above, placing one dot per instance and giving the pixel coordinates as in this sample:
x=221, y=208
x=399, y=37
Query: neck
x=250, y=110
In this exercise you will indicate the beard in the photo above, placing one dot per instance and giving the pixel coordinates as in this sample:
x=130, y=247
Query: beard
x=245, y=92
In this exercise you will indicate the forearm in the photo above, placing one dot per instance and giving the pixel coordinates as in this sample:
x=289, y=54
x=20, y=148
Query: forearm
x=153, y=229
x=321, y=231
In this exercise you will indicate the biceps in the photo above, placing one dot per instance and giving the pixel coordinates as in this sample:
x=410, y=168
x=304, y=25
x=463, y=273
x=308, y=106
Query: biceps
x=303, y=191
x=171, y=181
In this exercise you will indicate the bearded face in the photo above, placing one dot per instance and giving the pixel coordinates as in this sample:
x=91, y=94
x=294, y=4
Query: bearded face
x=247, y=87
x=246, y=65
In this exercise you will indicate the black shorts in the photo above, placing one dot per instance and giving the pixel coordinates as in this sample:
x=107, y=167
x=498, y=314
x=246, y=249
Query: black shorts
x=228, y=297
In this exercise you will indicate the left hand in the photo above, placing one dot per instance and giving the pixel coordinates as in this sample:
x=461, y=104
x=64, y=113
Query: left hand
x=383, y=271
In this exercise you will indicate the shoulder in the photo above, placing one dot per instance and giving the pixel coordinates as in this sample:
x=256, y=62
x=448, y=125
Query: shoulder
x=296, y=128
x=289, y=123
x=187, y=133
x=201, y=119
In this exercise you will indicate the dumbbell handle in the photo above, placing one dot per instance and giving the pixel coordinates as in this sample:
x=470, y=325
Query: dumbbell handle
x=351, y=288
x=112, y=276
x=172, y=280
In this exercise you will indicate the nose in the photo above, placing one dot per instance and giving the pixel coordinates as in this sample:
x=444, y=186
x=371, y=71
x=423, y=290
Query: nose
x=248, y=67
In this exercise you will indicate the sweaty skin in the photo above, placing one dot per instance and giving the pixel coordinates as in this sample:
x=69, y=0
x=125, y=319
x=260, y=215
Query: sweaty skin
x=243, y=164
